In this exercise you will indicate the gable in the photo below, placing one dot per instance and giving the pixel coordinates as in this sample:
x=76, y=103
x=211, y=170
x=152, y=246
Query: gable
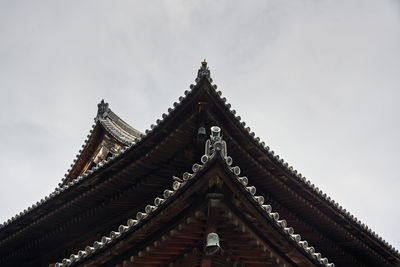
x=214, y=198
x=100, y=198
x=110, y=134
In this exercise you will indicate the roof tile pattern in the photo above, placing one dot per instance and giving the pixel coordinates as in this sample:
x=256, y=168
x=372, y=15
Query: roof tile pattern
x=114, y=125
x=141, y=217
x=261, y=144
x=308, y=183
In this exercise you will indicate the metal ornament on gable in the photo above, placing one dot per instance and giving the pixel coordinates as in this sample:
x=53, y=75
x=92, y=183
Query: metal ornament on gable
x=214, y=144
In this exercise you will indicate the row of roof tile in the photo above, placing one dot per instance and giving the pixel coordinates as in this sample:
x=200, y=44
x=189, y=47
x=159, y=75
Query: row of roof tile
x=250, y=134
x=281, y=162
x=124, y=137
x=133, y=224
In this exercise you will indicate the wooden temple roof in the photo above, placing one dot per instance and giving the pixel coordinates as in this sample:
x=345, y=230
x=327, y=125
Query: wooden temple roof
x=73, y=225
x=108, y=129
x=224, y=207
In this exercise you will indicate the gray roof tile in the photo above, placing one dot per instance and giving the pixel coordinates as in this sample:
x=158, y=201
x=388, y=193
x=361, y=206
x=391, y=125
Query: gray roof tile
x=149, y=209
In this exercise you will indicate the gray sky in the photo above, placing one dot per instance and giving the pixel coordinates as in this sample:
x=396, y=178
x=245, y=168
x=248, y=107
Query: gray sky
x=318, y=81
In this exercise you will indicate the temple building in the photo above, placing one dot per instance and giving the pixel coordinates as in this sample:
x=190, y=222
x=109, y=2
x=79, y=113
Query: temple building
x=197, y=189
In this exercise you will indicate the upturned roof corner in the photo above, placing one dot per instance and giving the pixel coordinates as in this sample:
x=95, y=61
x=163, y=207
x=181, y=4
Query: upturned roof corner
x=109, y=131
x=102, y=110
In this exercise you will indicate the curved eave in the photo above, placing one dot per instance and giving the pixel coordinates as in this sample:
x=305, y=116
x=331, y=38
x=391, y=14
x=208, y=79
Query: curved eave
x=119, y=129
x=125, y=127
x=112, y=125
x=90, y=144
x=167, y=199
x=38, y=211
x=302, y=183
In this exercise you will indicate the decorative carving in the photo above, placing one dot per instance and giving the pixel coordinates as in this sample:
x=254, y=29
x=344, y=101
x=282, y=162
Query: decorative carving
x=214, y=144
x=204, y=71
x=102, y=110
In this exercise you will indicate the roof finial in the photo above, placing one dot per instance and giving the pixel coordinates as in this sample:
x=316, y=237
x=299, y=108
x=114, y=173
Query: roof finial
x=102, y=109
x=203, y=72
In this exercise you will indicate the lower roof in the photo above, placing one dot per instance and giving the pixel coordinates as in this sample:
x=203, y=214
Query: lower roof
x=227, y=220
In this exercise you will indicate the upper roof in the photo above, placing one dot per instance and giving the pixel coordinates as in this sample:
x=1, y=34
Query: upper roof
x=115, y=126
x=313, y=214
x=108, y=125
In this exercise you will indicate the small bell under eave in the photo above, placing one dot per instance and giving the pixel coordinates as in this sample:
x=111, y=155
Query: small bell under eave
x=212, y=246
x=201, y=132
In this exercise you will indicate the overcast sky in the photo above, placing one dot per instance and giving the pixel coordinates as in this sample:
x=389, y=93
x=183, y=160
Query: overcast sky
x=318, y=81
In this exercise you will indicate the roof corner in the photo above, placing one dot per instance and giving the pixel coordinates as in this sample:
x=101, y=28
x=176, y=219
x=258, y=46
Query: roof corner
x=102, y=110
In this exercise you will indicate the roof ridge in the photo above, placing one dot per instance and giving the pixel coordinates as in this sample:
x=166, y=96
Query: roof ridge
x=261, y=144
x=104, y=111
x=62, y=187
x=214, y=146
x=290, y=169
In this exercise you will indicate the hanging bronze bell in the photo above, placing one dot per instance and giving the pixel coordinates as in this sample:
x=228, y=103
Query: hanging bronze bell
x=201, y=132
x=212, y=244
